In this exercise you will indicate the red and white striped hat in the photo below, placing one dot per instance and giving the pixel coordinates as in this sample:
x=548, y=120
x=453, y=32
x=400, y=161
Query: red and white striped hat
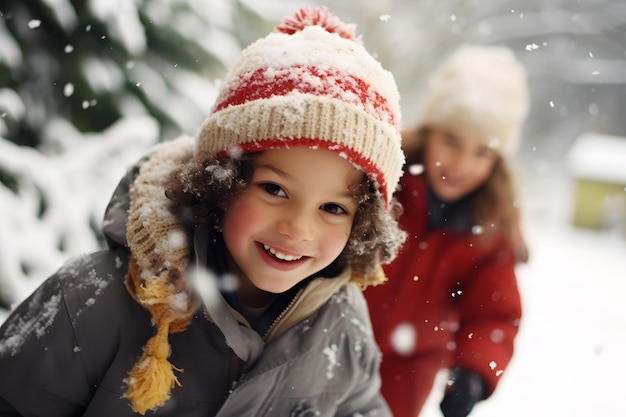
x=310, y=83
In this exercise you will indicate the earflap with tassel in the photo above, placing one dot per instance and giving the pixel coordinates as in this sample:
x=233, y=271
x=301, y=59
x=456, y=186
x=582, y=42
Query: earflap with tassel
x=160, y=252
x=152, y=378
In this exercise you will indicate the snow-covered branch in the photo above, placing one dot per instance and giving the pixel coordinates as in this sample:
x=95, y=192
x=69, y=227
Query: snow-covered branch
x=55, y=198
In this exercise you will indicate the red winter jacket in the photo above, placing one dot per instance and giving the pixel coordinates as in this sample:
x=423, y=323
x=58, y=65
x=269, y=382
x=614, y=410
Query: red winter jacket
x=450, y=301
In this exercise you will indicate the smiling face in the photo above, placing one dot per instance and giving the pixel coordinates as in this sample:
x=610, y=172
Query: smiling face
x=293, y=220
x=455, y=164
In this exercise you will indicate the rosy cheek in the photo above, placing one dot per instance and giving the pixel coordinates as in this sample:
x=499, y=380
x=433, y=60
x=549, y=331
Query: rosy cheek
x=240, y=220
x=336, y=243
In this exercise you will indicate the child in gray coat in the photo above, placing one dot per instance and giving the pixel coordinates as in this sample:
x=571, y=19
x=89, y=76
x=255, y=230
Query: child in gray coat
x=232, y=283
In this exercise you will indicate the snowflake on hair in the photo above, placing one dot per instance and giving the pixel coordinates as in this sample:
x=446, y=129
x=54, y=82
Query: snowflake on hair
x=319, y=16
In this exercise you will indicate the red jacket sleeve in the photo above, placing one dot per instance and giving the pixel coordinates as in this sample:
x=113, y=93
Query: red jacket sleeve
x=490, y=309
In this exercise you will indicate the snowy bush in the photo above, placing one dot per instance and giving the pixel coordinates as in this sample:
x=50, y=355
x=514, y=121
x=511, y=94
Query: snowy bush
x=53, y=206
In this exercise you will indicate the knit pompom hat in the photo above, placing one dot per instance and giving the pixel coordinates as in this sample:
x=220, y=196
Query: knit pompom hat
x=482, y=90
x=310, y=83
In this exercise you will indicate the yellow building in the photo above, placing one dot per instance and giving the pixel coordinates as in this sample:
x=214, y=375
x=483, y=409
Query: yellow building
x=597, y=164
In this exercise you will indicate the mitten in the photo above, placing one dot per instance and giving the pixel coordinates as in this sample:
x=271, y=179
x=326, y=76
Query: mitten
x=464, y=390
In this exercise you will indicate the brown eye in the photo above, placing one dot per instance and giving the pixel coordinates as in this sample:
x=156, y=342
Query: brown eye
x=333, y=209
x=273, y=189
x=450, y=140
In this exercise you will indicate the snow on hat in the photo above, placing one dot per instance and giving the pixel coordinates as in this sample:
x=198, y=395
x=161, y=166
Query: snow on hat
x=480, y=89
x=310, y=83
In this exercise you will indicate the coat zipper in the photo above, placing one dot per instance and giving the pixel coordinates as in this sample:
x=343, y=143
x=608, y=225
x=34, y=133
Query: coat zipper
x=282, y=314
x=278, y=318
x=235, y=372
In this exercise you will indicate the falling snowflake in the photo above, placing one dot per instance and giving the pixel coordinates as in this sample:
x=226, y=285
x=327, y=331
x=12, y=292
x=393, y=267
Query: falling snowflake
x=404, y=338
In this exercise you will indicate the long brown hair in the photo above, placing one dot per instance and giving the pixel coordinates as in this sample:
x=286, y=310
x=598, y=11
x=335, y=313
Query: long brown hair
x=494, y=205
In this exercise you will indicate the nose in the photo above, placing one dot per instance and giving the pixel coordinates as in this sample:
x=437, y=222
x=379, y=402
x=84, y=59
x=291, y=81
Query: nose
x=297, y=224
x=459, y=164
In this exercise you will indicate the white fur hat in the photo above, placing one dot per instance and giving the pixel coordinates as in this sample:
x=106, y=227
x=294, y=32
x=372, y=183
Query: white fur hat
x=480, y=89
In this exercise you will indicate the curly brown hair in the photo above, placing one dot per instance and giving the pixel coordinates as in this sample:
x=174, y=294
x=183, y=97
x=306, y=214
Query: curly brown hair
x=204, y=187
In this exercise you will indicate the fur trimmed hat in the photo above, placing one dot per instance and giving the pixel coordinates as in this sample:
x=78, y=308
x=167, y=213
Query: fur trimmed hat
x=310, y=83
x=481, y=89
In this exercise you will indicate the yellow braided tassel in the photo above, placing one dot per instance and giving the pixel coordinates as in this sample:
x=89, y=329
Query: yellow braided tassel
x=152, y=378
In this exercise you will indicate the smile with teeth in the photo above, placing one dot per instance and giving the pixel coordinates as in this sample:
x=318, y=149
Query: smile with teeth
x=281, y=255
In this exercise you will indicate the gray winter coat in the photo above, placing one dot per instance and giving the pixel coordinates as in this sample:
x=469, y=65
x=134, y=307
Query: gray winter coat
x=68, y=348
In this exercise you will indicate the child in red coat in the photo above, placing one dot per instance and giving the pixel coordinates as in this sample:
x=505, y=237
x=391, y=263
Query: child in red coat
x=452, y=301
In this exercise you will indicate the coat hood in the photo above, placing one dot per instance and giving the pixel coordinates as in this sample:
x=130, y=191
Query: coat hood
x=116, y=213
